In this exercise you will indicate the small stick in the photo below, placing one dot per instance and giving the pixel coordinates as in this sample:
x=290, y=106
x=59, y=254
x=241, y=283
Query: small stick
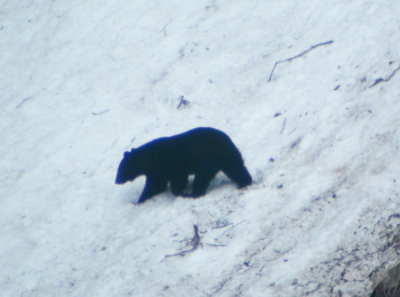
x=99, y=113
x=214, y=244
x=23, y=101
x=219, y=227
x=231, y=228
x=183, y=102
x=131, y=142
x=165, y=33
x=379, y=80
x=222, y=284
x=283, y=127
x=299, y=55
x=195, y=243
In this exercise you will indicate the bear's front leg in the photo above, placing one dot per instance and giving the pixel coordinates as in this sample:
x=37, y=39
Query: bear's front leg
x=201, y=182
x=153, y=187
x=178, y=184
x=238, y=174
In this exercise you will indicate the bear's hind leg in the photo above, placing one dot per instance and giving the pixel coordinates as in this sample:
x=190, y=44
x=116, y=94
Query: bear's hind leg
x=201, y=182
x=178, y=184
x=153, y=187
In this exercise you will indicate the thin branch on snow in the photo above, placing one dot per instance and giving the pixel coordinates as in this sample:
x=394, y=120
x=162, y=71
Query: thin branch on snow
x=183, y=103
x=231, y=228
x=101, y=112
x=299, y=55
x=283, y=126
x=163, y=29
x=195, y=243
x=221, y=285
x=223, y=226
x=214, y=244
x=19, y=105
x=131, y=142
x=379, y=80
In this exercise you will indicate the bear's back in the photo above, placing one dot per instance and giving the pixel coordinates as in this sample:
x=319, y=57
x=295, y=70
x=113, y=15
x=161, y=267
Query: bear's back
x=201, y=140
x=199, y=137
x=191, y=148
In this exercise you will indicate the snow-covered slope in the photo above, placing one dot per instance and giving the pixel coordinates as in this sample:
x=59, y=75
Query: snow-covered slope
x=83, y=81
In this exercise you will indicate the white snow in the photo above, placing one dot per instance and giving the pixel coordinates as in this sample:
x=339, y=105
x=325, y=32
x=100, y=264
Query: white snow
x=84, y=81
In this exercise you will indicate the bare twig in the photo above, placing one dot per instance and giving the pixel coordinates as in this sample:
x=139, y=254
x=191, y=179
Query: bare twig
x=131, y=142
x=183, y=103
x=283, y=126
x=195, y=243
x=231, y=228
x=163, y=29
x=299, y=55
x=18, y=106
x=221, y=285
x=379, y=80
x=214, y=244
x=101, y=112
x=223, y=226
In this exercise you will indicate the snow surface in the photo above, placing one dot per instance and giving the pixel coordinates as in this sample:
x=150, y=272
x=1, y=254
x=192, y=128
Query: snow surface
x=84, y=81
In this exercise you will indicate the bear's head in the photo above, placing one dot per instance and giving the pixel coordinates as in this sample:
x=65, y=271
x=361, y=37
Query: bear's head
x=130, y=167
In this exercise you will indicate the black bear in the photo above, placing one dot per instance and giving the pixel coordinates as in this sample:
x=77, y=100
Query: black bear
x=201, y=151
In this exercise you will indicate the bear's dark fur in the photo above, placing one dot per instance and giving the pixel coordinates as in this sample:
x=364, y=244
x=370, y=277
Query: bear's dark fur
x=201, y=151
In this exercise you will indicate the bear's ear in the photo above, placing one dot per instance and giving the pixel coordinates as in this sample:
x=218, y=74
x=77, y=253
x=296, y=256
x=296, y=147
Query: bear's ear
x=126, y=154
x=132, y=150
